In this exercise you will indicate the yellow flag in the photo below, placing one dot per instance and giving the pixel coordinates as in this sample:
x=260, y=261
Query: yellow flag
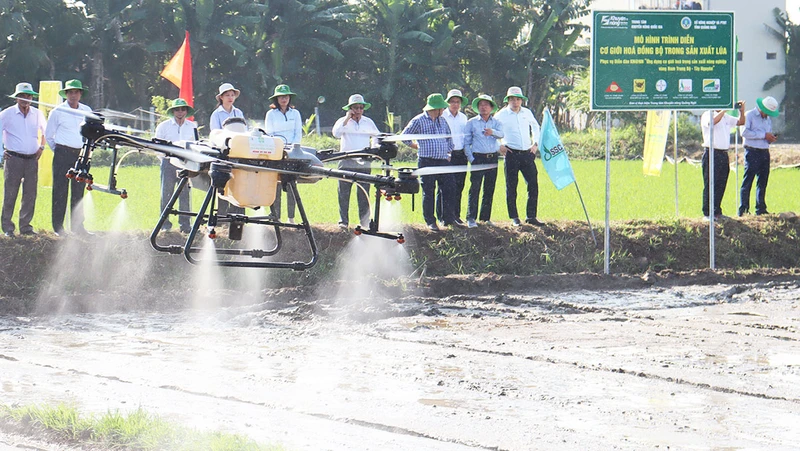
x=48, y=93
x=655, y=141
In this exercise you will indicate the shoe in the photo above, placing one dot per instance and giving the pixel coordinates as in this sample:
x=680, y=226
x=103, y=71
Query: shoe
x=471, y=223
x=290, y=220
x=10, y=234
x=28, y=232
x=459, y=221
x=433, y=227
x=762, y=213
x=83, y=232
x=515, y=222
x=186, y=230
x=535, y=222
x=343, y=226
x=453, y=224
x=488, y=223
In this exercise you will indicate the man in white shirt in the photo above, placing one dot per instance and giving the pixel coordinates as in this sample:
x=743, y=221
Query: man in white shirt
x=63, y=135
x=178, y=128
x=457, y=122
x=23, y=128
x=355, y=131
x=723, y=123
x=519, y=146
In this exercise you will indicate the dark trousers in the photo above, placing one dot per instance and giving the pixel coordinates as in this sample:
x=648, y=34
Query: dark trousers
x=362, y=193
x=276, y=206
x=487, y=177
x=429, y=184
x=63, y=160
x=457, y=158
x=517, y=162
x=721, y=171
x=756, y=165
x=169, y=180
x=25, y=172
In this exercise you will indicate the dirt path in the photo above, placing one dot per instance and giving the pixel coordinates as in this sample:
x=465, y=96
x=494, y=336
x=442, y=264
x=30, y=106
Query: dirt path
x=683, y=368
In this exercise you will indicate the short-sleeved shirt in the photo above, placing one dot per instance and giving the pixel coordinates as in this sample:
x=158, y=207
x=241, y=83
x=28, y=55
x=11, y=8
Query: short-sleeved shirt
x=21, y=132
x=722, y=130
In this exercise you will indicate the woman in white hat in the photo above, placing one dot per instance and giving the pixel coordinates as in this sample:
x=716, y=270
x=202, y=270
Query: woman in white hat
x=226, y=96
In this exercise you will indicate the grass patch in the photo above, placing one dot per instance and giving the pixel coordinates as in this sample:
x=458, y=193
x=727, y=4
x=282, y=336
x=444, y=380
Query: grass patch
x=136, y=430
x=633, y=197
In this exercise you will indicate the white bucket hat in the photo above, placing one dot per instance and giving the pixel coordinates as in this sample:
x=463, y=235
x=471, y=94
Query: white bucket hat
x=768, y=105
x=225, y=87
x=456, y=93
x=356, y=99
x=515, y=91
x=24, y=88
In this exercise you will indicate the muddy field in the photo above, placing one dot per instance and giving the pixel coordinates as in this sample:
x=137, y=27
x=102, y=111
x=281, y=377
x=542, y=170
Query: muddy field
x=682, y=367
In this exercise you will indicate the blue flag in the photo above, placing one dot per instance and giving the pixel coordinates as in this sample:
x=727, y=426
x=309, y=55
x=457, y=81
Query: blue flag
x=554, y=156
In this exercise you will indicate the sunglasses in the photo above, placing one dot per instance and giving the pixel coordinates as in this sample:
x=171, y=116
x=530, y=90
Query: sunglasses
x=357, y=107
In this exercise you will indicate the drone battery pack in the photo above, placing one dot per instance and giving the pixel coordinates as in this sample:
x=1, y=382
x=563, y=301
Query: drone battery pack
x=250, y=188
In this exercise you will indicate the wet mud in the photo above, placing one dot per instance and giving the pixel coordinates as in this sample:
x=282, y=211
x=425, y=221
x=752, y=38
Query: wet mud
x=455, y=363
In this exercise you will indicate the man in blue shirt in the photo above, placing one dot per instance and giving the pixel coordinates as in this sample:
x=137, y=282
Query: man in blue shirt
x=481, y=146
x=757, y=136
x=434, y=152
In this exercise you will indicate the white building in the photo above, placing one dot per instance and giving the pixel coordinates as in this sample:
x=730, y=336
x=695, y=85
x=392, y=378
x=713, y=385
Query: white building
x=761, y=55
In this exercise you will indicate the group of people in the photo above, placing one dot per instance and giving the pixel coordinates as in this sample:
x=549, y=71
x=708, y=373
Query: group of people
x=511, y=131
x=758, y=136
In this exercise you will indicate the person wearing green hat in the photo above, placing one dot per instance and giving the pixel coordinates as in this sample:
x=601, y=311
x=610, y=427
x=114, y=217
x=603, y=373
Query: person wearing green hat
x=757, y=136
x=519, y=146
x=63, y=135
x=355, y=131
x=23, y=129
x=226, y=96
x=285, y=121
x=457, y=121
x=432, y=153
x=176, y=128
x=481, y=145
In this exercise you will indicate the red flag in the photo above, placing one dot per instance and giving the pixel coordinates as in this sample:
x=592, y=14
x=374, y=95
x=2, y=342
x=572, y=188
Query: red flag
x=179, y=71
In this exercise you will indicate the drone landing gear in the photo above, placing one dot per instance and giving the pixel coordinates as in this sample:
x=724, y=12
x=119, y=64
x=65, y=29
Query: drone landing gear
x=233, y=257
x=373, y=224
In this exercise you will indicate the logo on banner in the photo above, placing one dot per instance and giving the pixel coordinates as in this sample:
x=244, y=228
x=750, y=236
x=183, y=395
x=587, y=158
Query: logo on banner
x=638, y=85
x=711, y=85
x=685, y=85
x=661, y=85
x=686, y=23
x=613, y=87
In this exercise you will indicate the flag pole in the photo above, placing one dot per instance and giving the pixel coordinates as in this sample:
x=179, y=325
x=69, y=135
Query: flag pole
x=585, y=212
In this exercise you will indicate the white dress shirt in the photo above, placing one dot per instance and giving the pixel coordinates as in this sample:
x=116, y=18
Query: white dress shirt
x=521, y=128
x=722, y=130
x=170, y=130
x=21, y=133
x=64, y=126
x=458, y=124
x=354, y=135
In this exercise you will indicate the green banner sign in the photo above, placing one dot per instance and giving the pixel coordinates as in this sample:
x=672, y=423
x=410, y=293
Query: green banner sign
x=662, y=60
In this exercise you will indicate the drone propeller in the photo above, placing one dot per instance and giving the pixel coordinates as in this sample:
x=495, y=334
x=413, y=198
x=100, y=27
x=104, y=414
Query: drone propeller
x=388, y=137
x=96, y=115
